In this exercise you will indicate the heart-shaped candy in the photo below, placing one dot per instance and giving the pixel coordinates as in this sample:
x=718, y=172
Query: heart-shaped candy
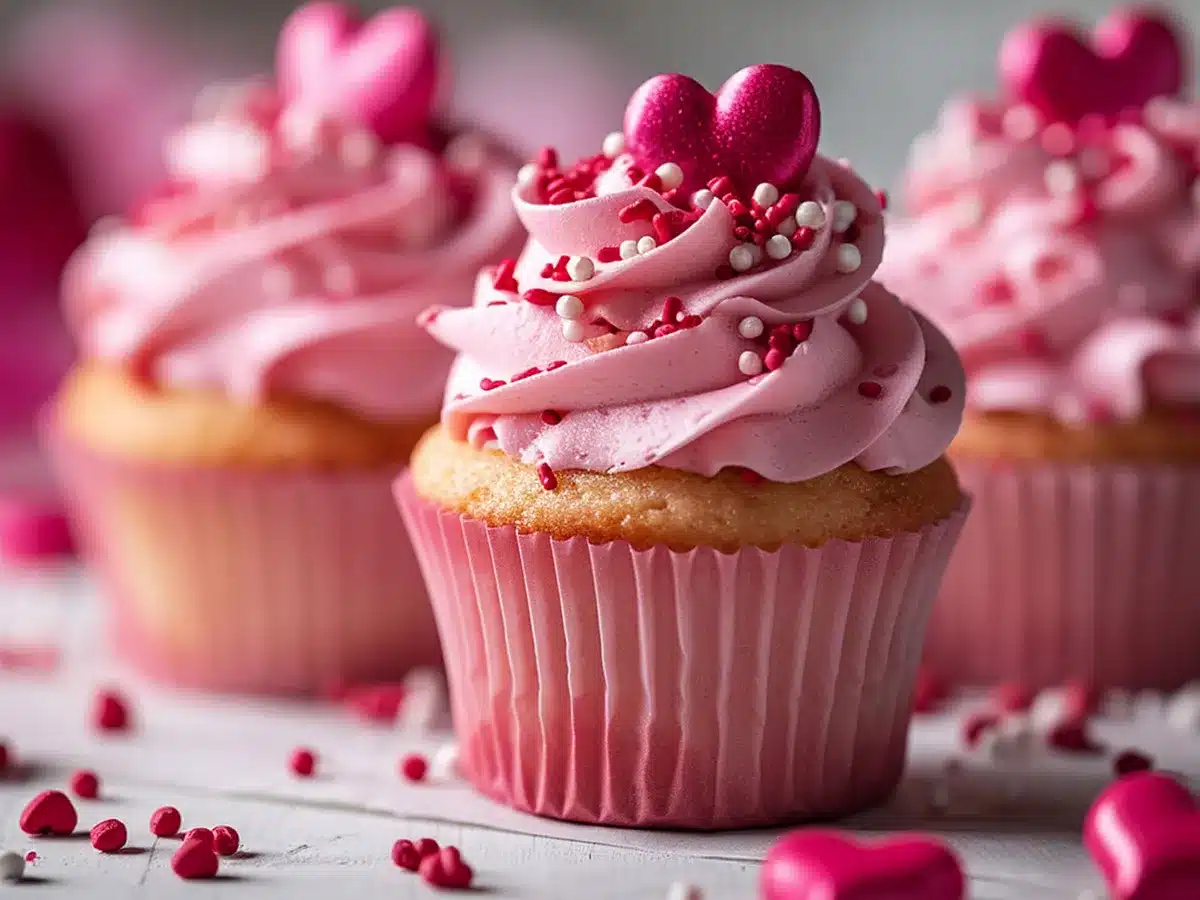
x=381, y=74
x=1132, y=58
x=826, y=865
x=1144, y=834
x=50, y=812
x=195, y=859
x=761, y=126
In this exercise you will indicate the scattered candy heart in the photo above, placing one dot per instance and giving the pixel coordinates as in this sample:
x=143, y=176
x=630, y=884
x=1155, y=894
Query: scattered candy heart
x=1132, y=58
x=165, y=821
x=381, y=74
x=50, y=812
x=413, y=767
x=446, y=869
x=762, y=125
x=110, y=712
x=109, y=836
x=303, y=762
x=195, y=859
x=1144, y=833
x=226, y=840
x=405, y=855
x=826, y=865
x=85, y=784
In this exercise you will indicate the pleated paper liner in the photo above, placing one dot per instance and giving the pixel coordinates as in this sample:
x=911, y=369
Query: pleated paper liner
x=292, y=582
x=604, y=684
x=1073, y=571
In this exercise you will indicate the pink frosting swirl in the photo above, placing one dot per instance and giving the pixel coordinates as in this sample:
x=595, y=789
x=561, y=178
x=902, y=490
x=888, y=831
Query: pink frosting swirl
x=1063, y=264
x=646, y=363
x=290, y=256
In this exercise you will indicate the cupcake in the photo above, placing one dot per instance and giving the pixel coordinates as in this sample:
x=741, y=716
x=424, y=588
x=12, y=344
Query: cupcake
x=1054, y=235
x=252, y=377
x=686, y=510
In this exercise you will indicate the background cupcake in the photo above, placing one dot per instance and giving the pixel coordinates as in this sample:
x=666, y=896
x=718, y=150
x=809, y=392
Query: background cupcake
x=1055, y=236
x=686, y=511
x=252, y=375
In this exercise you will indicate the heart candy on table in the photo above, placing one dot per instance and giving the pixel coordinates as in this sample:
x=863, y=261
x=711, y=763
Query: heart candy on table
x=1131, y=58
x=195, y=859
x=762, y=125
x=1143, y=832
x=381, y=73
x=50, y=812
x=827, y=865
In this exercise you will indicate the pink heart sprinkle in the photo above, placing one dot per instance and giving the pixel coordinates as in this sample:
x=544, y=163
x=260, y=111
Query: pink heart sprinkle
x=381, y=74
x=1131, y=58
x=1144, y=834
x=826, y=865
x=761, y=126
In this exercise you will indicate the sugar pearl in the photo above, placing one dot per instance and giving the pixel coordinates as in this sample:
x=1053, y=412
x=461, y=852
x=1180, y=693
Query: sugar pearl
x=1061, y=178
x=527, y=174
x=572, y=331
x=766, y=194
x=12, y=866
x=569, y=307
x=751, y=327
x=629, y=249
x=670, y=175
x=844, y=214
x=848, y=258
x=358, y=149
x=810, y=214
x=636, y=337
x=703, y=198
x=646, y=244
x=741, y=258
x=756, y=254
x=856, y=312
x=445, y=761
x=787, y=227
x=749, y=363
x=614, y=145
x=779, y=247
x=580, y=268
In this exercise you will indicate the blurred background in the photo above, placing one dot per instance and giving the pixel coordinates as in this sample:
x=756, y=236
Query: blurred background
x=90, y=87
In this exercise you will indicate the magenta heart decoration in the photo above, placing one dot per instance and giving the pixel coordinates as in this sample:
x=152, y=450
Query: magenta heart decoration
x=1144, y=834
x=761, y=126
x=827, y=865
x=381, y=73
x=1131, y=58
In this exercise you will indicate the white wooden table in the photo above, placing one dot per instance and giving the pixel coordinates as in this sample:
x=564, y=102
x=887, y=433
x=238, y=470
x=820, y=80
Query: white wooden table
x=224, y=762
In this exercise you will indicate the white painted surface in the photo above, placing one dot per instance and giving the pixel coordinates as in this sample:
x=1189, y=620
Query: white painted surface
x=224, y=762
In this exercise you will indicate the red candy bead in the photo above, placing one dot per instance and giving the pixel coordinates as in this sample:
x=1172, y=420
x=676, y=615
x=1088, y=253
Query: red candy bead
x=110, y=712
x=446, y=870
x=165, y=821
x=109, y=836
x=303, y=762
x=85, y=784
x=413, y=767
x=406, y=855
x=226, y=840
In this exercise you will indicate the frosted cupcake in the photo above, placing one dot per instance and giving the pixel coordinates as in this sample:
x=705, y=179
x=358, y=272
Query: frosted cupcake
x=687, y=508
x=252, y=375
x=1055, y=237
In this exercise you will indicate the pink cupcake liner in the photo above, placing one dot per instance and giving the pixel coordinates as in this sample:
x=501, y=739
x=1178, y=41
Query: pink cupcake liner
x=1071, y=571
x=250, y=581
x=604, y=684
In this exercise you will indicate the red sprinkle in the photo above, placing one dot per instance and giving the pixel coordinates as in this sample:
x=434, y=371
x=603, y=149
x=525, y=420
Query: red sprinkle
x=1013, y=697
x=502, y=276
x=547, y=477
x=414, y=766
x=547, y=158
x=672, y=307
x=30, y=856
x=110, y=711
x=540, y=297
x=557, y=364
x=803, y=238
x=940, y=394
x=550, y=417
x=663, y=231
x=690, y=321
x=774, y=359
x=85, y=784
x=446, y=869
x=998, y=291
x=406, y=855
x=109, y=836
x=651, y=181
x=802, y=331
x=50, y=812
x=558, y=198
x=303, y=762
x=721, y=185
x=872, y=390
x=608, y=254
x=526, y=373
x=487, y=384
x=643, y=209
x=226, y=840
x=975, y=725
x=195, y=859
x=1131, y=761
x=165, y=821
x=1071, y=736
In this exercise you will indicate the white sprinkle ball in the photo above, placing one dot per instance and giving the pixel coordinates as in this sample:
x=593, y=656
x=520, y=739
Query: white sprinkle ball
x=569, y=307
x=787, y=227
x=779, y=247
x=636, y=337
x=358, y=149
x=444, y=764
x=741, y=259
x=856, y=312
x=844, y=214
x=629, y=249
x=703, y=198
x=750, y=363
x=756, y=254
x=810, y=214
x=646, y=243
x=751, y=327
x=1061, y=178
x=849, y=258
x=1048, y=708
x=681, y=890
x=527, y=174
x=580, y=268
x=614, y=145
x=670, y=175
x=12, y=866
x=766, y=194
x=573, y=331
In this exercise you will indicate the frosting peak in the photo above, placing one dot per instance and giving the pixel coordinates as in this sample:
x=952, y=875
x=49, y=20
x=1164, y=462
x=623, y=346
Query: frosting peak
x=645, y=324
